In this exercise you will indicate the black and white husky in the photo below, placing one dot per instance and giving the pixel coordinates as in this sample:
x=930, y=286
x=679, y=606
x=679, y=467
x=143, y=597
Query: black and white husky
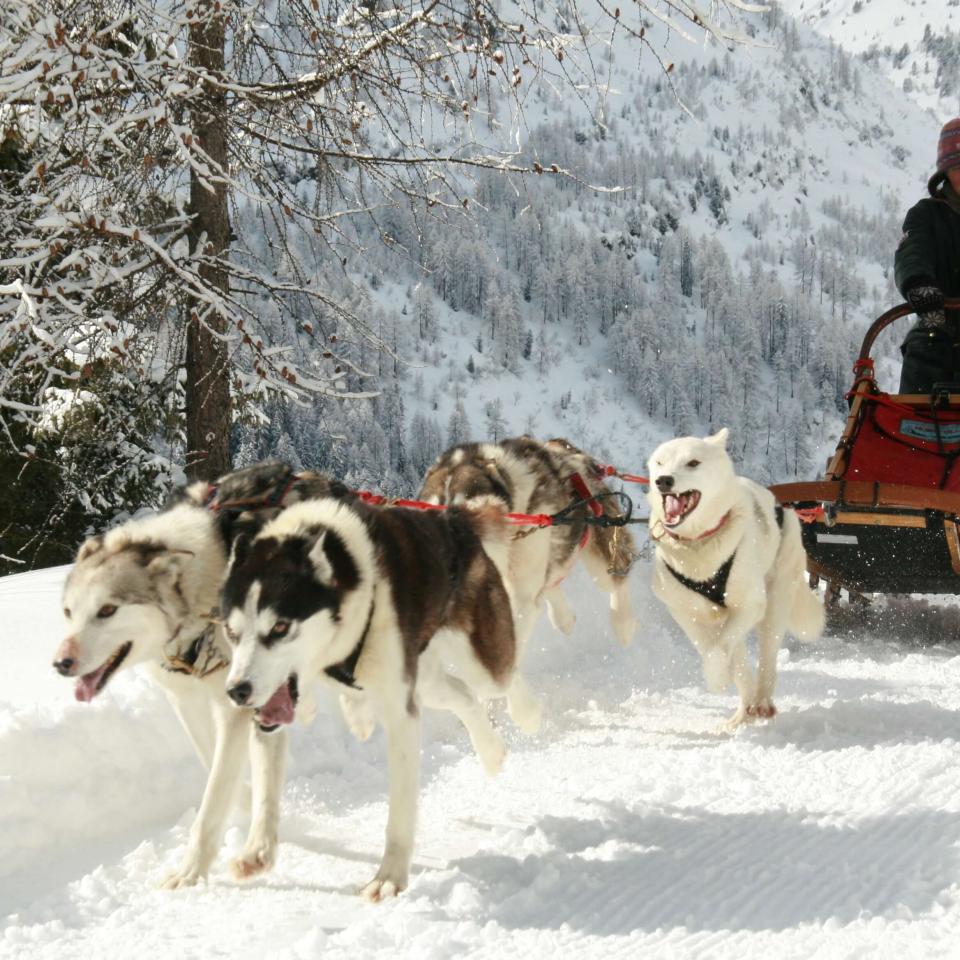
x=529, y=476
x=145, y=593
x=404, y=608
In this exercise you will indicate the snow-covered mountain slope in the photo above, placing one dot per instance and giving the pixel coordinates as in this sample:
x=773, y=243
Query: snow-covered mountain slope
x=628, y=828
x=728, y=282
x=915, y=41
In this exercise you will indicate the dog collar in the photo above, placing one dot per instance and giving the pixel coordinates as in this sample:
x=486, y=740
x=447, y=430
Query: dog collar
x=343, y=672
x=702, y=536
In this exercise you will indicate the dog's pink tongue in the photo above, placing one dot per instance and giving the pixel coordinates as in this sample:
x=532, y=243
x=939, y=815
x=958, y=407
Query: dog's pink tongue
x=86, y=688
x=672, y=506
x=279, y=708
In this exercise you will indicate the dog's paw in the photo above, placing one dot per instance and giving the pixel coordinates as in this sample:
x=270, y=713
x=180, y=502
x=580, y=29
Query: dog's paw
x=359, y=716
x=258, y=856
x=741, y=716
x=492, y=754
x=189, y=875
x=525, y=712
x=562, y=618
x=762, y=710
x=625, y=630
x=382, y=888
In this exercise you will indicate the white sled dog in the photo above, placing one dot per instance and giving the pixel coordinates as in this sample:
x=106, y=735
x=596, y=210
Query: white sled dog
x=728, y=560
x=524, y=475
x=144, y=593
x=408, y=607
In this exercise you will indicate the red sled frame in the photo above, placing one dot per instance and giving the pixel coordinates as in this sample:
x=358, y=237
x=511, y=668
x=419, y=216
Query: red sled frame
x=886, y=516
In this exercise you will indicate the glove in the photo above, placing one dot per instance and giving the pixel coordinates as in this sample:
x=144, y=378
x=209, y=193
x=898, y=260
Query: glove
x=927, y=302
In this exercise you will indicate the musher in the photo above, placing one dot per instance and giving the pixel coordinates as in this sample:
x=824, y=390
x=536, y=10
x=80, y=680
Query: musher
x=927, y=270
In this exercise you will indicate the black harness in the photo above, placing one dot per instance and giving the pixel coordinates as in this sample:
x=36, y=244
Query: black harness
x=715, y=589
x=343, y=672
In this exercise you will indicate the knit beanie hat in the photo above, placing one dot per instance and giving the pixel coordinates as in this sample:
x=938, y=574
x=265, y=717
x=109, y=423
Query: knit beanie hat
x=948, y=152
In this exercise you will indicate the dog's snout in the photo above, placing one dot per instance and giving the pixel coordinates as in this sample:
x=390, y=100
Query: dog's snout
x=665, y=483
x=239, y=693
x=65, y=666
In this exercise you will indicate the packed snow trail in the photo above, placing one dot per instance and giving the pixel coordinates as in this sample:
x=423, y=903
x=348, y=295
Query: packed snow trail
x=628, y=828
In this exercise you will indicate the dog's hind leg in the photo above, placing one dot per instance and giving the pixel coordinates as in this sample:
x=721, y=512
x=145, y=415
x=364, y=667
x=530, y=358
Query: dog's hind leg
x=621, y=612
x=268, y=754
x=401, y=723
x=558, y=609
x=445, y=692
x=207, y=830
x=524, y=582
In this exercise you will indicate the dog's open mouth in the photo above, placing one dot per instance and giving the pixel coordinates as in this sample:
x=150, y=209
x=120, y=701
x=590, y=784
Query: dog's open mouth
x=678, y=506
x=90, y=684
x=281, y=707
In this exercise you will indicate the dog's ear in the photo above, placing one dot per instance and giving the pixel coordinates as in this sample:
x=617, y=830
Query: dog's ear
x=332, y=562
x=167, y=563
x=90, y=547
x=240, y=549
x=720, y=438
x=318, y=557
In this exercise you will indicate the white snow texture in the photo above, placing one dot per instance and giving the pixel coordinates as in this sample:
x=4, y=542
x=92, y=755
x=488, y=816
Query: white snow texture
x=630, y=827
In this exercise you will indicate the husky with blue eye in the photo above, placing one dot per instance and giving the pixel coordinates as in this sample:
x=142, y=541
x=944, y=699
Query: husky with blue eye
x=728, y=560
x=407, y=609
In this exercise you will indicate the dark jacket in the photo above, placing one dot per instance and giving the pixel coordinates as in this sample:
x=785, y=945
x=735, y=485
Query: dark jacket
x=929, y=254
x=929, y=251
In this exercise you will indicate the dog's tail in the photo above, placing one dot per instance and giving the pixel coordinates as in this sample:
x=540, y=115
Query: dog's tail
x=807, y=616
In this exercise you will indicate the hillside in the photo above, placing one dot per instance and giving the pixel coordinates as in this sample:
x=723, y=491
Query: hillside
x=727, y=281
x=915, y=42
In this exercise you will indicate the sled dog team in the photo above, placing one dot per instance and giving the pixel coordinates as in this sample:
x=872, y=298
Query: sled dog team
x=242, y=594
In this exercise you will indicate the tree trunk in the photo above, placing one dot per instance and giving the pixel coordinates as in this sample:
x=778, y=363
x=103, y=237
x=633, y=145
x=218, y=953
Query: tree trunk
x=208, y=405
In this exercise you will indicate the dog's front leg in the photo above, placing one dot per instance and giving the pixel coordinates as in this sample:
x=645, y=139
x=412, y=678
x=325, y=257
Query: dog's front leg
x=193, y=712
x=268, y=754
x=207, y=830
x=733, y=641
x=402, y=727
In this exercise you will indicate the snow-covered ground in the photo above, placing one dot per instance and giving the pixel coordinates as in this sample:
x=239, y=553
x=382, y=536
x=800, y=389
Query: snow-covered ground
x=629, y=828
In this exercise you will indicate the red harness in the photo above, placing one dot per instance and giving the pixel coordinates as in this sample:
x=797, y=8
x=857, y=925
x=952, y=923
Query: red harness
x=581, y=489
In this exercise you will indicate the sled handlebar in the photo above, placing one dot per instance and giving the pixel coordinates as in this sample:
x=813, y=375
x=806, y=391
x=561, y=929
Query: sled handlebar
x=884, y=321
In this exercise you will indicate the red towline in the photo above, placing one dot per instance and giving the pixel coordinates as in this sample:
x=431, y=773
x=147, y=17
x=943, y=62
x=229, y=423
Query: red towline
x=516, y=519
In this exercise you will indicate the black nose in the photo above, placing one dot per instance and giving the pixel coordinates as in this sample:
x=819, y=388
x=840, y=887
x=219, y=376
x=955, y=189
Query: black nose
x=65, y=666
x=665, y=483
x=240, y=693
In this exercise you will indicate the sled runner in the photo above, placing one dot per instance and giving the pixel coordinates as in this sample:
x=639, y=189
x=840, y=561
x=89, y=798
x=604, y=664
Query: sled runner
x=886, y=517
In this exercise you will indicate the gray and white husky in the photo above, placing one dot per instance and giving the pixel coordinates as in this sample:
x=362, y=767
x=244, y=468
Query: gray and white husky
x=145, y=593
x=397, y=608
x=728, y=560
x=525, y=475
